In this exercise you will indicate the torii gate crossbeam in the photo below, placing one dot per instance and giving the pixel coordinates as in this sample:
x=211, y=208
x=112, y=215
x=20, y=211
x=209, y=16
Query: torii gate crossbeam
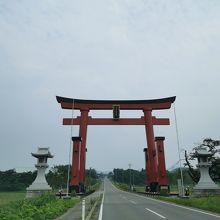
x=121, y=121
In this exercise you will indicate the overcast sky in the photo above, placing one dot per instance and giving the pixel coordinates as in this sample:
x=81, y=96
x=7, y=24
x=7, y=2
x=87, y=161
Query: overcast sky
x=112, y=49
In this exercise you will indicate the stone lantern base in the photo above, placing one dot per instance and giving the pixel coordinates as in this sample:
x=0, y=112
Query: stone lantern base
x=37, y=189
x=36, y=193
x=209, y=189
x=206, y=192
x=206, y=186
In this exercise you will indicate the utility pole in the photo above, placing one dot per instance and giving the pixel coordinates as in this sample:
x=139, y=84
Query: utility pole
x=130, y=173
x=90, y=178
x=133, y=178
x=178, y=145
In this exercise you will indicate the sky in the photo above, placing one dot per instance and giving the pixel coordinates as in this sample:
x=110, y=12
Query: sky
x=127, y=49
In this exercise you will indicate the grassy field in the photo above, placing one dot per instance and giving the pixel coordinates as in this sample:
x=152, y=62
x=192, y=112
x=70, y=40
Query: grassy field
x=139, y=188
x=7, y=197
x=211, y=203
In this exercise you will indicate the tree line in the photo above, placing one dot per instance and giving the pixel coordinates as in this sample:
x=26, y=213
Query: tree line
x=137, y=177
x=10, y=180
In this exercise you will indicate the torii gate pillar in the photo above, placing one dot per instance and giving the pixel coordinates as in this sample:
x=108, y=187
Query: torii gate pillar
x=74, y=182
x=151, y=151
x=147, y=170
x=162, y=174
x=83, y=134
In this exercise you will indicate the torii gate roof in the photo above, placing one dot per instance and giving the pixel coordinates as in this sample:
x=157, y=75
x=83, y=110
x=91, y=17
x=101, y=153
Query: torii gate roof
x=69, y=103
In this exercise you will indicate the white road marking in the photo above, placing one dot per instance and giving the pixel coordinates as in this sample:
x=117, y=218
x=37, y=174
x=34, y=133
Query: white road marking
x=116, y=188
x=172, y=204
x=101, y=207
x=133, y=202
x=183, y=207
x=155, y=213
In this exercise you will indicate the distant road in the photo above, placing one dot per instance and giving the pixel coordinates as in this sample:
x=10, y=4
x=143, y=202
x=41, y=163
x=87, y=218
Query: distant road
x=120, y=205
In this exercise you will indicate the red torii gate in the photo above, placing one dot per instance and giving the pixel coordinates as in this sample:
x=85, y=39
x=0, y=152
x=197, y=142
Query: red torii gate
x=79, y=143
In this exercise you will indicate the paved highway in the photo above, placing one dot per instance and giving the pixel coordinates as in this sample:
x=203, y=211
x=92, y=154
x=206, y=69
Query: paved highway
x=120, y=205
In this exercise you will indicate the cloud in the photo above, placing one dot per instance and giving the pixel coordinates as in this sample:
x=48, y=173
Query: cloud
x=106, y=50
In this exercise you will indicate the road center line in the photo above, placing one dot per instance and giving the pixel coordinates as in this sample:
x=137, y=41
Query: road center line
x=155, y=213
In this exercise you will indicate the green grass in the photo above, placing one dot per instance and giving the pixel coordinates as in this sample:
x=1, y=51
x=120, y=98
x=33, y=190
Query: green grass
x=7, y=197
x=44, y=207
x=139, y=188
x=174, y=188
x=96, y=186
x=122, y=186
x=211, y=203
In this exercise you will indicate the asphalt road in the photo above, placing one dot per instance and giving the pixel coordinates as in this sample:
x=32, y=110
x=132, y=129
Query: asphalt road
x=120, y=205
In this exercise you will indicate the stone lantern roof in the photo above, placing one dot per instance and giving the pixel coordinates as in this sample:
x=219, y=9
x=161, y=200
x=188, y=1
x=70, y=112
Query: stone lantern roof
x=42, y=152
x=203, y=152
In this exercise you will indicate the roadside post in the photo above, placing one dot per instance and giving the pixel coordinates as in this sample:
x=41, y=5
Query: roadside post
x=83, y=209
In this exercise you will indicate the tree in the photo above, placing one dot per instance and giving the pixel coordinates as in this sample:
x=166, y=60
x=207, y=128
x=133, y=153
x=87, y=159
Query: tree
x=57, y=176
x=10, y=180
x=214, y=171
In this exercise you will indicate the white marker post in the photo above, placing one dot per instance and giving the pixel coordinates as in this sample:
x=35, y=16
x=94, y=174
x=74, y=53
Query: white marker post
x=83, y=209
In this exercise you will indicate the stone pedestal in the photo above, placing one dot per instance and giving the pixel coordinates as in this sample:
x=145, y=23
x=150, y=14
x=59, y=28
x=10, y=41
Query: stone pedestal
x=40, y=185
x=205, y=186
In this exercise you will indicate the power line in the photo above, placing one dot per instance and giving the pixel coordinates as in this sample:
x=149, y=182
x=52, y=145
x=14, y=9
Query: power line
x=70, y=147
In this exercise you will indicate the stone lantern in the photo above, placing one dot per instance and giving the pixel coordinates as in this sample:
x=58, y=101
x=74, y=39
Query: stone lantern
x=205, y=186
x=40, y=185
